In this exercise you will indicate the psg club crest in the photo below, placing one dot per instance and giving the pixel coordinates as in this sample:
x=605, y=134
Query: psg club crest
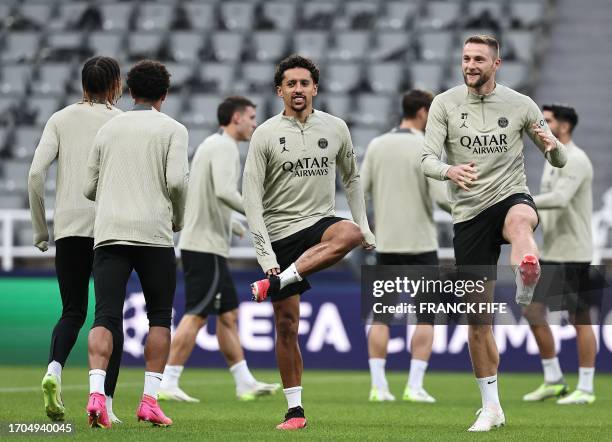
x=322, y=143
x=502, y=122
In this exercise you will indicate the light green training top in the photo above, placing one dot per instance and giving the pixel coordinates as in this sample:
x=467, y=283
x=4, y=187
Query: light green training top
x=68, y=138
x=566, y=206
x=488, y=130
x=212, y=197
x=137, y=173
x=402, y=195
x=289, y=180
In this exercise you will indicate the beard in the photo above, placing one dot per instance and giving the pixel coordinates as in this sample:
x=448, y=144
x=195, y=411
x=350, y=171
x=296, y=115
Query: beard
x=482, y=79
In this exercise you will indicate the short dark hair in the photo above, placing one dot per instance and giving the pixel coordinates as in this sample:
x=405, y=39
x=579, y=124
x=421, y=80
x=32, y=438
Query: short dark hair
x=484, y=39
x=295, y=61
x=148, y=79
x=414, y=100
x=231, y=105
x=563, y=112
x=101, y=78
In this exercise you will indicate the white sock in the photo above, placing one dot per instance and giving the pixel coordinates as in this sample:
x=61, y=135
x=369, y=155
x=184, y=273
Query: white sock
x=416, y=374
x=109, y=404
x=96, y=381
x=242, y=376
x=55, y=368
x=294, y=396
x=172, y=373
x=552, y=370
x=151, y=383
x=585, y=379
x=488, y=390
x=289, y=276
x=377, y=372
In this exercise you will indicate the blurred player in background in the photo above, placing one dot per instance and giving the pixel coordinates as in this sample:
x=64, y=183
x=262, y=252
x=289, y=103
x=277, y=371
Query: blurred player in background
x=566, y=207
x=405, y=232
x=480, y=125
x=137, y=174
x=205, y=244
x=67, y=138
x=289, y=198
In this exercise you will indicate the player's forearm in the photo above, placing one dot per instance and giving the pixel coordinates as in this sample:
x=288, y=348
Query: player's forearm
x=433, y=167
x=557, y=157
x=356, y=202
x=550, y=200
x=232, y=199
x=252, y=197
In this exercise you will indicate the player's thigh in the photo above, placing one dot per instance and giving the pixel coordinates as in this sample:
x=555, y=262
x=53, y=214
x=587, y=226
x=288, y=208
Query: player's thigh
x=520, y=217
x=112, y=267
x=156, y=269
x=343, y=232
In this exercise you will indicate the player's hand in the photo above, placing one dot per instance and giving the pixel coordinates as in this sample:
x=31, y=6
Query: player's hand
x=463, y=175
x=274, y=271
x=43, y=246
x=368, y=242
x=550, y=142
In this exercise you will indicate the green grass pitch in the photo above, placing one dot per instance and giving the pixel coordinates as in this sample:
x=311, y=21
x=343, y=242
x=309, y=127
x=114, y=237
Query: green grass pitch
x=335, y=402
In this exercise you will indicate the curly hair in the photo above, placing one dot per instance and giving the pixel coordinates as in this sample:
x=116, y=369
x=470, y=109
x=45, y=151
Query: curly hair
x=149, y=80
x=101, y=80
x=295, y=61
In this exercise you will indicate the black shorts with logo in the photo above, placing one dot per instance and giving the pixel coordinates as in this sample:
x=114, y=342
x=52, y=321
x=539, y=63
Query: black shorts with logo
x=289, y=249
x=405, y=259
x=565, y=286
x=478, y=241
x=209, y=288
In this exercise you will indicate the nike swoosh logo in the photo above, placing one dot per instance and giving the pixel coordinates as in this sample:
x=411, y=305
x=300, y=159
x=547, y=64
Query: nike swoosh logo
x=491, y=382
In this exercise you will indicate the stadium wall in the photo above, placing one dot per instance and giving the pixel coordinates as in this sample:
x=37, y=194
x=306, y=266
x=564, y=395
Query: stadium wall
x=332, y=334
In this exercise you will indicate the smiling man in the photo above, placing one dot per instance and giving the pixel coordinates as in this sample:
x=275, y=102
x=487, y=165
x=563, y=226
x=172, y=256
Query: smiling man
x=480, y=126
x=289, y=198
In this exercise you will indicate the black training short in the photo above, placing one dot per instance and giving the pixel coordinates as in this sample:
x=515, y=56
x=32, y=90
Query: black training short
x=565, y=286
x=156, y=270
x=478, y=241
x=209, y=288
x=289, y=249
x=405, y=259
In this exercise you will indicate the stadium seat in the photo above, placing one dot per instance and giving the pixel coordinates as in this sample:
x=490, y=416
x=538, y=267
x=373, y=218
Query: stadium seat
x=361, y=137
x=440, y=14
x=67, y=14
x=36, y=12
x=26, y=140
x=237, y=15
x=397, y=15
x=339, y=105
x=154, y=16
x=282, y=13
x=116, y=15
x=179, y=74
x=64, y=46
x=359, y=15
x=20, y=46
x=14, y=79
x=434, y=45
x=494, y=9
x=318, y=15
x=106, y=43
x=52, y=78
x=390, y=45
x=257, y=77
x=220, y=75
x=386, y=76
x=173, y=105
x=427, y=76
x=227, y=46
x=521, y=43
x=202, y=14
x=270, y=45
x=13, y=201
x=349, y=45
x=202, y=110
x=311, y=44
x=372, y=110
x=144, y=45
x=513, y=74
x=44, y=107
x=527, y=14
x=15, y=174
x=185, y=46
x=342, y=77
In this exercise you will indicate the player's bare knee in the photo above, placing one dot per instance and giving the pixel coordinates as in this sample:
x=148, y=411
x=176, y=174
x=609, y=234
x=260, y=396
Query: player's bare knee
x=350, y=239
x=519, y=223
x=228, y=319
x=286, y=329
